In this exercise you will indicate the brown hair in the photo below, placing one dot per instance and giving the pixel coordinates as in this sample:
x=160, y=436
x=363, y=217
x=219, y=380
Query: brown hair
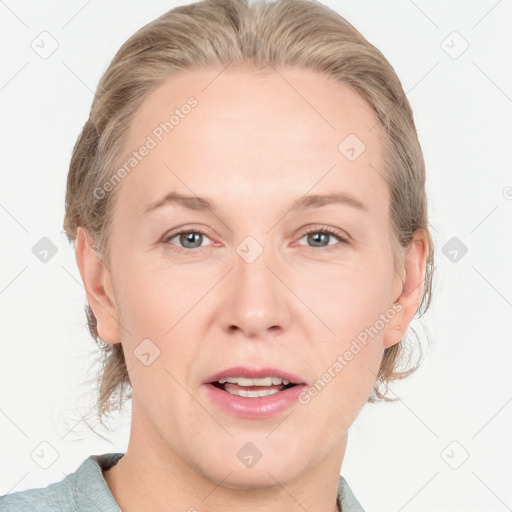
x=218, y=33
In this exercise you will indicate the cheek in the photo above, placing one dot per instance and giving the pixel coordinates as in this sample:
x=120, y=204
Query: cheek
x=159, y=312
x=347, y=365
x=354, y=310
x=153, y=297
x=347, y=298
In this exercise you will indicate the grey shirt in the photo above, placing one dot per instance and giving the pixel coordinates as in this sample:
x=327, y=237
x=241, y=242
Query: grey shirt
x=86, y=490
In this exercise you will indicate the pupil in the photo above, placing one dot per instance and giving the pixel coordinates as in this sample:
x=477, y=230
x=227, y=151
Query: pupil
x=315, y=236
x=189, y=238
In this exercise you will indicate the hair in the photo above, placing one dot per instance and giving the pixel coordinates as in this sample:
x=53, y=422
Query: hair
x=215, y=34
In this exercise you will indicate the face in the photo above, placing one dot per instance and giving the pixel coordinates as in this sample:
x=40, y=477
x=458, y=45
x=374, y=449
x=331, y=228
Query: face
x=254, y=280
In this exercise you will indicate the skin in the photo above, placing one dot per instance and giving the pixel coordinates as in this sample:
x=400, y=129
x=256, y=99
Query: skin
x=251, y=146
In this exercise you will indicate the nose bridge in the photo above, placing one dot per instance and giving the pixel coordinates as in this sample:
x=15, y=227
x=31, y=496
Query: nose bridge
x=256, y=299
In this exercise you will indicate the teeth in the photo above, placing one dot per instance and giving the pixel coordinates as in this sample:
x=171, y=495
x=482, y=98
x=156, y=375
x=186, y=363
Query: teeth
x=252, y=394
x=266, y=381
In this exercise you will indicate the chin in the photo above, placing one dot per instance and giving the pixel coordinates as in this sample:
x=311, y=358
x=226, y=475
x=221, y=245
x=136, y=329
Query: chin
x=233, y=468
x=257, y=477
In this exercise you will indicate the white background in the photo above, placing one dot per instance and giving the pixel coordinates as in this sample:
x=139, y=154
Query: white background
x=397, y=458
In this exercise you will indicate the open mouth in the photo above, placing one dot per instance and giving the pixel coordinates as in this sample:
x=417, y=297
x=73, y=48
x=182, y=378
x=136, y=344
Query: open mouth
x=251, y=391
x=254, y=397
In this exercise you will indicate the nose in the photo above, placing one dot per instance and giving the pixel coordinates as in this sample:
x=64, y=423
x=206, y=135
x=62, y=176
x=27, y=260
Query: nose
x=256, y=299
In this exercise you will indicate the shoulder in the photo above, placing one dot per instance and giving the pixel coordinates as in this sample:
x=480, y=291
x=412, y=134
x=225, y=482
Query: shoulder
x=346, y=499
x=54, y=497
x=83, y=490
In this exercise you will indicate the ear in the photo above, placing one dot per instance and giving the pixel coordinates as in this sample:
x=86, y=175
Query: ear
x=98, y=286
x=408, y=289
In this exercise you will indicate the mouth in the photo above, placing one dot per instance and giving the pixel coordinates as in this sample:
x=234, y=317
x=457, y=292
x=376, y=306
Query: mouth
x=253, y=382
x=251, y=390
x=254, y=393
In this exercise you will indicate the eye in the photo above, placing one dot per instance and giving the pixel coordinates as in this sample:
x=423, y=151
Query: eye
x=190, y=238
x=322, y=234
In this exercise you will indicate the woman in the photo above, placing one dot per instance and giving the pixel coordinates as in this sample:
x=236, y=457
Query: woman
x=247, y=202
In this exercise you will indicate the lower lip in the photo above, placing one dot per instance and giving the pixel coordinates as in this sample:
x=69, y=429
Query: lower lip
x=259, y=407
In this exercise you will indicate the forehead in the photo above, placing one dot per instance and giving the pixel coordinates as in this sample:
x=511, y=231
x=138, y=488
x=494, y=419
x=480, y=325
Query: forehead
x=282, y=132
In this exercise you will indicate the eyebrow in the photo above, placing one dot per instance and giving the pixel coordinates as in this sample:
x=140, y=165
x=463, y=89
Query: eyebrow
x=302, y=203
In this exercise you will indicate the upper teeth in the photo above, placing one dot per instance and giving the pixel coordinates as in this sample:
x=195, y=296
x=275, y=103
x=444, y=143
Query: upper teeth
x=266, y=381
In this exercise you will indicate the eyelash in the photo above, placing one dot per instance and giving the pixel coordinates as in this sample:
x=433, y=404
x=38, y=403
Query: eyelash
x=313, y=229
x=329, y=231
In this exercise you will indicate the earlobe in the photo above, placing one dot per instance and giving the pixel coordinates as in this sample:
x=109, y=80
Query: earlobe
x=98, y=285
x=411, y=288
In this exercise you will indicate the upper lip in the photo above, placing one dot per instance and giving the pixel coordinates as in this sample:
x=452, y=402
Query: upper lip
x=245, y=371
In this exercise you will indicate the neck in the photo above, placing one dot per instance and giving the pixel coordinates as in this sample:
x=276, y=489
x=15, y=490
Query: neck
x=151, y=476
